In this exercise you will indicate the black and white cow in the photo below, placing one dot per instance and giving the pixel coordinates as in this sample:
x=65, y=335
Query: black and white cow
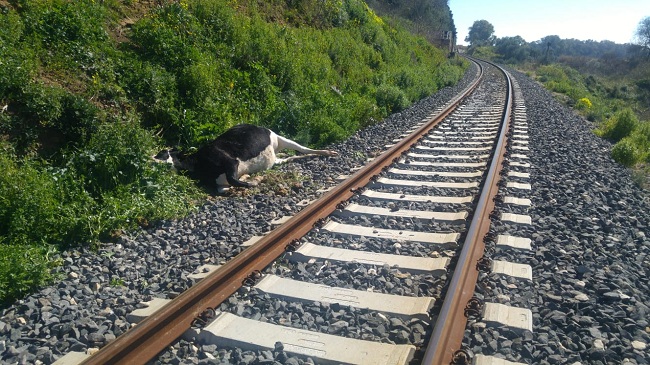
x=243, y=149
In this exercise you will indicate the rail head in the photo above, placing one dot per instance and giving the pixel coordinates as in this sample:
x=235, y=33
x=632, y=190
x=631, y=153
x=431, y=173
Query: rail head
x=450, y=326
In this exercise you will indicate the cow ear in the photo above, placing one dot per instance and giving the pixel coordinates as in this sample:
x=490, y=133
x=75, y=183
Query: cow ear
x=162, y=155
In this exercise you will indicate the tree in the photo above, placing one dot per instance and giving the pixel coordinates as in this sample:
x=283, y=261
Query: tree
x=512, y=49
x=643, y=34
x=553, y=47
x=481, y=33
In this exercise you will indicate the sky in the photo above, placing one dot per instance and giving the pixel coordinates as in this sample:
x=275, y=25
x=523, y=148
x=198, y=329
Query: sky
x=613, y=20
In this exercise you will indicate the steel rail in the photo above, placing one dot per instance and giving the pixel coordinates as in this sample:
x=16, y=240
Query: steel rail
x=144, y=341
x=450, y=326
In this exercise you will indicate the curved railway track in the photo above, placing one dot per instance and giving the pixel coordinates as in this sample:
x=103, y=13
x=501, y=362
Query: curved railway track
x=412, y=224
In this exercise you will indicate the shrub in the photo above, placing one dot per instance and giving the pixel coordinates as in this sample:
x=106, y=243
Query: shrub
x=153, y=91
x=109, y=185
x=28, y=203
x=621, y=125
x=124, y=186
x=24, y=269
x=236, y=67
x=67, y=35
x=168, y=36
x=625, y=152
x=487, y=53
x=117, y=154
x=641, y=139
x=41, y=204
x=78, y=119
x=18, y=63
x=62, y=24
x=391, y=98
x=50, y=115
x=564, y=80
x=42, y=103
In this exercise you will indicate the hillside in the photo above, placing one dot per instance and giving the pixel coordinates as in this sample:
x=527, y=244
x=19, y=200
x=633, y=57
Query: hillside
x=429, y=18
x=90, y=90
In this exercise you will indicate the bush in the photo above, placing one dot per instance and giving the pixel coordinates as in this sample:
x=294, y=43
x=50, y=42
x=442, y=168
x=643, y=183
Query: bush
x=18, y=62
x=125, y=187
x=109, y=185
x=641, y=139
x=29, y=205
x=564, y=80
x=169, y=36
x=117, y=154
x=65, y=24
x=487, y=53
x=625, y=152
x=153, y=91
x=67, y=35
x=621, y=125
x=231, y=68
x=24, y=269
x=49, y=118
x=644, y=131
x=42, y=103
x=391, y=99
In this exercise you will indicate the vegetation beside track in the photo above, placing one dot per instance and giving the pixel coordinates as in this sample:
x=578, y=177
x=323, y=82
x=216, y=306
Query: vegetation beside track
x=89, y=90
x=607, y=83
x=615, y=105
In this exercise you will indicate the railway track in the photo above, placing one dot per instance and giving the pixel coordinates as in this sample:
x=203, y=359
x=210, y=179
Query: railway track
x=387, y=259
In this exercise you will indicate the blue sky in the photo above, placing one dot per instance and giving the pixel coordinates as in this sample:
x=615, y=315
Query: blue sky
x=614, y=20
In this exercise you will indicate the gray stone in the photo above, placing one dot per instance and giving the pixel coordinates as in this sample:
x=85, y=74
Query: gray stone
x=638, y=345
x=338, y=327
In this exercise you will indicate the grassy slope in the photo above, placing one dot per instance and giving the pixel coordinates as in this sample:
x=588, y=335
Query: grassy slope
x=92, y=89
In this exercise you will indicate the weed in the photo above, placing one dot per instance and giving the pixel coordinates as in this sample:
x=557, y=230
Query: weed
x=641, y=177
x=117, y=282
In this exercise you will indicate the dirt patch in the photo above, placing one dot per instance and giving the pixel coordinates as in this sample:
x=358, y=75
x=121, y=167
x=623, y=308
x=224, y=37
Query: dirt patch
x=127, y=15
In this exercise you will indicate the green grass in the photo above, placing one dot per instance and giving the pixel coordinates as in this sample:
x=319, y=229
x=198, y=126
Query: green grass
x=25, y=267
x=94, y=88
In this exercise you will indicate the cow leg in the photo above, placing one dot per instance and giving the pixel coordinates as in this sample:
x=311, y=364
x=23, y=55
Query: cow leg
x=285, y=143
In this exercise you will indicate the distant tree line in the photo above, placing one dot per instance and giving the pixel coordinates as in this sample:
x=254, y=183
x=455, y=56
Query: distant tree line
x=551, y=48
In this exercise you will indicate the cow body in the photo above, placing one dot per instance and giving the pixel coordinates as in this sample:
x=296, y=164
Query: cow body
x=243, y=149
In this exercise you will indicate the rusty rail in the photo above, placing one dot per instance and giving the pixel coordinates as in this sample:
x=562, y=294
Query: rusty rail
x=448, y=332
x=144, y=341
